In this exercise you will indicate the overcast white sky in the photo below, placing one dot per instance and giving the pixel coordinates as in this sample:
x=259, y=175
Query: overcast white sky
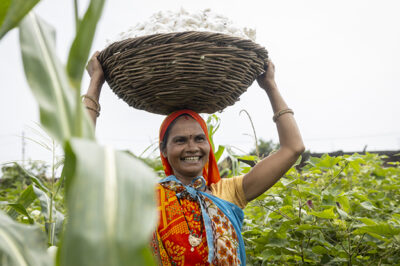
x=337, y=66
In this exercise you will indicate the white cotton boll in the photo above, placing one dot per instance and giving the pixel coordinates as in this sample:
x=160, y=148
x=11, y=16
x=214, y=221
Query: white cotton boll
x=232, y=29
x=183, y=11
x=219, y=27
x=182, y=20
x=179, y=25
x=197, y=17
x=35, y=214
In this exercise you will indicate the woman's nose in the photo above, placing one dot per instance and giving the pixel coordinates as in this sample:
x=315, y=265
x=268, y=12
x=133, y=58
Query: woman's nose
x=192, y=146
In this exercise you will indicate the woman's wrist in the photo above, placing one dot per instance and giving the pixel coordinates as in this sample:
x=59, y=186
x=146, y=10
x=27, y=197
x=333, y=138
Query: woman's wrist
x=270, y=86
x=98, y=78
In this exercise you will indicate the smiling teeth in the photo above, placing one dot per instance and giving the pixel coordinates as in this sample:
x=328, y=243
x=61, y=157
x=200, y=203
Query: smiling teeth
x=191, y=158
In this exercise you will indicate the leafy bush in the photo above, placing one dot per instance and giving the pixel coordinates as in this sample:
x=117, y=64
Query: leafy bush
x=336, y=211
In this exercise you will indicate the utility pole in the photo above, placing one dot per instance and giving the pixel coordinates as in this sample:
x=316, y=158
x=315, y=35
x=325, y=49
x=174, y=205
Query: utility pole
x=23, y=148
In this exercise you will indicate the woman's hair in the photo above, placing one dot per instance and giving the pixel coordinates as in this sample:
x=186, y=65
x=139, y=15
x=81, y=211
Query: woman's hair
x=163, y=143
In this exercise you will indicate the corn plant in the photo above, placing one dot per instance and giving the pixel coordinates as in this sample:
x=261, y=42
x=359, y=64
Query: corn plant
x=108, y=194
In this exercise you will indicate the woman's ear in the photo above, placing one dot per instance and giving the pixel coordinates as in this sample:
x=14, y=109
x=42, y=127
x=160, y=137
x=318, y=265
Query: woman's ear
x=163, y=150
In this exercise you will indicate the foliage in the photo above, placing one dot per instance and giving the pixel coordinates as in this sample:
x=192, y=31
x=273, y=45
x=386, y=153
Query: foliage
x=15, y=177
x=28, y=195
x=12, y=11
x=60, y=114
x=336, y=211
x=118, y=215
x=20, y=244
x=107, y=223
x=85, y=30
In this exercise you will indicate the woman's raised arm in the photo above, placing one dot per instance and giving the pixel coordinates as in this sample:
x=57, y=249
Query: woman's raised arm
x=268, y=171
x=91, y=98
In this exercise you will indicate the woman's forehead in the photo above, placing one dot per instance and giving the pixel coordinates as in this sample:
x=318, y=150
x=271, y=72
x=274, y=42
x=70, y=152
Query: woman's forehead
x=186, y=125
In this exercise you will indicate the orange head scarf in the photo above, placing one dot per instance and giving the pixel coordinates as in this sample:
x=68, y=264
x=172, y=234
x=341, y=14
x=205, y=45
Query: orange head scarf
x=210, y=170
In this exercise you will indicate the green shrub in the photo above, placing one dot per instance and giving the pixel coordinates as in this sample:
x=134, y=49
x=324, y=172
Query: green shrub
x=336, y=211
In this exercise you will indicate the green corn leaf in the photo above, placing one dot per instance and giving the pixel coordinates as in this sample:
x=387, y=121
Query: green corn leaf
x=57, y=218
x=111, y=208
x=21, y=245
x=25, y=199
x=219, y=152
x=48, y=81
x=32, y=177
x=80, y=48
x=21, y=209
x=12, y=12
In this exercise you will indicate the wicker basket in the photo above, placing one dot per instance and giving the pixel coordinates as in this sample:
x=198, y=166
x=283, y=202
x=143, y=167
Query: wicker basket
x=201, y=71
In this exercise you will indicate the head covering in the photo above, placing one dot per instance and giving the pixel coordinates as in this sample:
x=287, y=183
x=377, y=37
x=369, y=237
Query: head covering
x=210, y=170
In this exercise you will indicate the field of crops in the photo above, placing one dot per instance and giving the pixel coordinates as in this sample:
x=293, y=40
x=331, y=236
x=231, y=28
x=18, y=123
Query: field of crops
x=100, y=209
x=334, y=211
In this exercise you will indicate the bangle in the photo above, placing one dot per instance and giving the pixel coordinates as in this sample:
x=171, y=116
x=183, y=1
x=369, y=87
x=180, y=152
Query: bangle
x=282, y=112
x=94, y=110
x=98, y=108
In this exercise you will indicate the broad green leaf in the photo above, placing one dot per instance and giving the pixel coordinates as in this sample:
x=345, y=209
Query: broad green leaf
x=48, y=81
x=111, y=208
x=320, y=250
x=326, y=214
x=26, y=198
x=342, y=213
x=367, y=221
x=80, y=48
x=382, y=229
x=327, y=162
x=306, y=227
x=368, y=205
x=21, y=245
x=344, y=202
x=12, y=12
x=20, y=209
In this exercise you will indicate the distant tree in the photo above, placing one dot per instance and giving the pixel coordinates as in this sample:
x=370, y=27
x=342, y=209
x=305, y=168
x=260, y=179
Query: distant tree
x=265, y=148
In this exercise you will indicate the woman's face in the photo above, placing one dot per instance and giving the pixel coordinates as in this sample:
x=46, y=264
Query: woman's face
x=187, y=148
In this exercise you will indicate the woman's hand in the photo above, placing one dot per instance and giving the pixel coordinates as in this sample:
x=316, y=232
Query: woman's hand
x=96, y=82
x=94, y=68
x=267, y=79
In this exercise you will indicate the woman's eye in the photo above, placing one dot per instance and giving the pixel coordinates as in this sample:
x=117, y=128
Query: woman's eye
x=200, y=138
x=179, y=140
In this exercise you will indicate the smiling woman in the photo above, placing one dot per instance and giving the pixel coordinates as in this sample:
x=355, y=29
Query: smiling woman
x=200, y=214
x=186, y=148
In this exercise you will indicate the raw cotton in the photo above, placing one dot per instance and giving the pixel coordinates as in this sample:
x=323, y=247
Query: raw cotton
x=169, y=21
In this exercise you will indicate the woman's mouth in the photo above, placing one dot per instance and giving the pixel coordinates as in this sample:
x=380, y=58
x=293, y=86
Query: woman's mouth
x=191, y=159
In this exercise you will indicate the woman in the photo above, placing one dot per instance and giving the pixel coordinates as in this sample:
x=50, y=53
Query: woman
x=200, y=214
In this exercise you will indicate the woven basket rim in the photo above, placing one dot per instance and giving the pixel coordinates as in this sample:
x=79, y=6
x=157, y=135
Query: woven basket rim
x=131, y=64
x=177, y=37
